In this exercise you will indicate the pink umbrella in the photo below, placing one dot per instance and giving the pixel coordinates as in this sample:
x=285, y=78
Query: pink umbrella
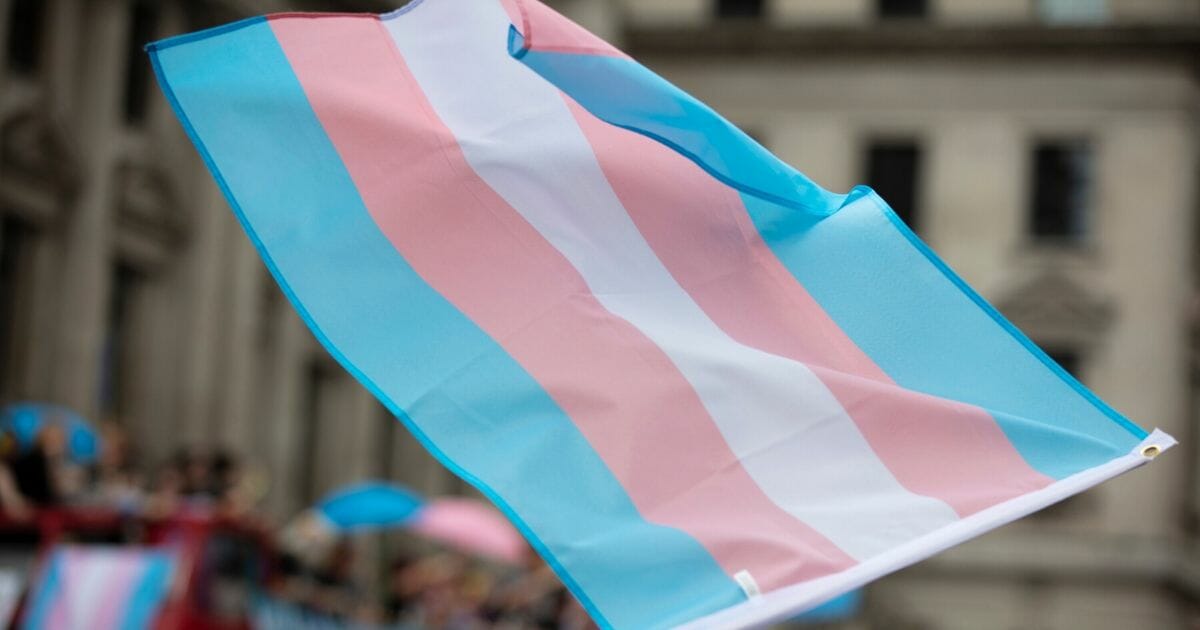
x=471, y=526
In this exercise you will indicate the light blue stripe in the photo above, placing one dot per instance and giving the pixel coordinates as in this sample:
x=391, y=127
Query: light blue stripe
x=931, y=333
x=466, y=399
x=151, y=591
x=47, y=591
x=624, y=93
x=892, y=296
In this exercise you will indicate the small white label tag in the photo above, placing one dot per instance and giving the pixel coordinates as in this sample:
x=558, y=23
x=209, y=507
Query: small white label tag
x=746, y=581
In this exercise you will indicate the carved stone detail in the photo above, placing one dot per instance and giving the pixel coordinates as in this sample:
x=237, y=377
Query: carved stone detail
x=149, y=221
x=39, y=166
x=1053, y=309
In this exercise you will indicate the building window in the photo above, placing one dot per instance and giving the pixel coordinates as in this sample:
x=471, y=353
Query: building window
x=894, y=171
x=1066, y=358
x=740, y=8
x=15, y=241
x=319, y=385
x=890, y=9
x=1061, y=192
x=385, y=444
x=25, y=22
x=1071, y=361
x=143, y=23
x=756, y=134
x=1073, y=12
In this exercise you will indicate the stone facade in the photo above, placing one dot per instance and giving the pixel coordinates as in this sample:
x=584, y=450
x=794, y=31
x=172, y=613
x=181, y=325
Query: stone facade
x=131, y=293
x=128, y=291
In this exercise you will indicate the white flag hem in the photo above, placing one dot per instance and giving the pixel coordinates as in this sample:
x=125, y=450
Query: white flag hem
x=787, y=602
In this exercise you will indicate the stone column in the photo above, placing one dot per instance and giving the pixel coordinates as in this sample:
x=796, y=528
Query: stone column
x=348, y=417
x=5, y=11
x=199, y=324
x=88, y=233
x=239, y=355
x=283, y=369
x=39, y=366
x=1145, y=200
x=61, y=59
x=975, y=227
x=153, y=348
x=56, y=84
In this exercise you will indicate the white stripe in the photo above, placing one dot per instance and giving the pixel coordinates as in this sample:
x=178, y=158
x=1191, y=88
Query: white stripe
x=88, y=574
x=787, y=602
x=791, y=434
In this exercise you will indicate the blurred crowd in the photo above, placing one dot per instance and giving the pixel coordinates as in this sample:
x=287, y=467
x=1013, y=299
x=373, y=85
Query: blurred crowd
x=436, y=588
x=423, y=586
x=45, y=475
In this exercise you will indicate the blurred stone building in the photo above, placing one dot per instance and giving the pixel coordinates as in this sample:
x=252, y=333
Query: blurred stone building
x=1047, y=149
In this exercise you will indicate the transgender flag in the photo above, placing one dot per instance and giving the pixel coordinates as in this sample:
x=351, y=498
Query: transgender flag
x=100, y=587
x=708, y=391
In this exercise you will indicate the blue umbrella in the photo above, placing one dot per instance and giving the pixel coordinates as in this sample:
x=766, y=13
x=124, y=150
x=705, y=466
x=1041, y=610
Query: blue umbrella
x=369, y=505
x=23, y=421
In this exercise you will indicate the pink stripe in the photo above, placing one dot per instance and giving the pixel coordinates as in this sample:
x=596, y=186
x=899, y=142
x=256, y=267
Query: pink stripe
x=935, y=447
x=119, y=584
x=515, y=14
x=649, y=425
x=111, y=597
x=547, y=30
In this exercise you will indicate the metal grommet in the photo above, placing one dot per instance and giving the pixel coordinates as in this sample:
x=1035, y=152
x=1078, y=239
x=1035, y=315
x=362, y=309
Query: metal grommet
x=1150, y=452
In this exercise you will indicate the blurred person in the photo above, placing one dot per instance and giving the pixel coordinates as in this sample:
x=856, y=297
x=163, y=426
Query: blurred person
x=238, y=488
x=117, y=482
x=403, y=588
x=533, y=599
x=438, y=603
x=38, y=471
x=474, y=591
x=165, y=496
x=305, y=541
x=573, y=616
x=12, y=503
x=199, y=480
x=336, y=593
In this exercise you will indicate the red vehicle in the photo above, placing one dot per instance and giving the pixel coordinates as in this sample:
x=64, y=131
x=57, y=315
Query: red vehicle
x=222, y=563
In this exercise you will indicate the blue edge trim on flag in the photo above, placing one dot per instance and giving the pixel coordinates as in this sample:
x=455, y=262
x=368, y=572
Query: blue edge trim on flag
x=45, y=589
x=429, y=445
x=1000, y=319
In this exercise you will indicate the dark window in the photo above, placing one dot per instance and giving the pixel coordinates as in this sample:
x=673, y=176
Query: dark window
x=1067, y=358
x=319, y=386
x=14, y=285
x=115, y=367
x=739, y=8
x=270, y=305
x=894, y=171
x=143, y=23
x=385, y=444
x=308, y=435
x=1062, y=177
x=901, y=8
x=755, y=135
x=25, y=20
